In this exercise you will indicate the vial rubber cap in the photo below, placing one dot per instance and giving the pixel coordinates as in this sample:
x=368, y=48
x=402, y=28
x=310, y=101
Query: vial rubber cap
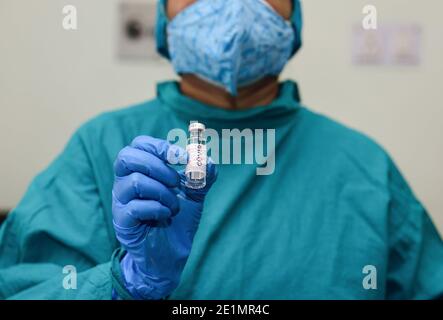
x=195, y=125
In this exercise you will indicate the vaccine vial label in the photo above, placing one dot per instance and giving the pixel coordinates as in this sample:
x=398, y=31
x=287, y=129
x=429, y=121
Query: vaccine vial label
x=197, y=160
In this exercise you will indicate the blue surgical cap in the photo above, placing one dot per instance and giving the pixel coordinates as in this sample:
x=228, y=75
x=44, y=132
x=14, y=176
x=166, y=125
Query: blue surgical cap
x=162, y=22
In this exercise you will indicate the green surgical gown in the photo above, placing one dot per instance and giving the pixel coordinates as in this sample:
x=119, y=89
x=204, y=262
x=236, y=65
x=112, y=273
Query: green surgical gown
x=334, y=205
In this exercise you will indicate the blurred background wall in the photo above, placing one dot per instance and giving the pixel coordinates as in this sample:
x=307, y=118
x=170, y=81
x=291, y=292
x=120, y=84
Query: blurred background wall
x=52, y=80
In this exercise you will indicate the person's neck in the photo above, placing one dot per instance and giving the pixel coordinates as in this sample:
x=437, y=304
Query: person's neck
x=261, y=93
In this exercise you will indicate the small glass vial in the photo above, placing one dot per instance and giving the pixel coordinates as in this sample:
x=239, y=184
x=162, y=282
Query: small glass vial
x=196, y=148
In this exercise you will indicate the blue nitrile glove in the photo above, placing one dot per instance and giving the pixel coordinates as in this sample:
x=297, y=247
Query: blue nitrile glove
x=155, y=216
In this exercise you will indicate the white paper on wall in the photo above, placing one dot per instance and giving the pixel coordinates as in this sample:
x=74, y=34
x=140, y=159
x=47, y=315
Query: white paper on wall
x=395, y=44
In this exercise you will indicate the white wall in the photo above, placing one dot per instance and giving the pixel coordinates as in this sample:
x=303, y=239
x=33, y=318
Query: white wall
x=52, y=80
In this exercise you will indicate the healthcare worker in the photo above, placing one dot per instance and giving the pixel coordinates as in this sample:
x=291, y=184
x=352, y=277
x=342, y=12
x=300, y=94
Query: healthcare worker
x=335, y=220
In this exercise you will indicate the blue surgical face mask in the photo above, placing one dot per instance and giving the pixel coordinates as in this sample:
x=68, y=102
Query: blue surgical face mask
x=230, y=43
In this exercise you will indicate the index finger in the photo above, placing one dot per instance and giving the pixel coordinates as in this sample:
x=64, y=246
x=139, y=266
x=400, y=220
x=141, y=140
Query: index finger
x=162, y=149
x=135, y=160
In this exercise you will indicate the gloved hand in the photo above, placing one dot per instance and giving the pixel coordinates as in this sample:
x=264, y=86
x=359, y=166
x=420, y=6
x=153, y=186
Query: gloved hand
x=155, y=216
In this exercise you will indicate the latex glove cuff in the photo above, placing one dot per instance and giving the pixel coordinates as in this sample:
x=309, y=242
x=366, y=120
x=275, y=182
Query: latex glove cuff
x=141, y=286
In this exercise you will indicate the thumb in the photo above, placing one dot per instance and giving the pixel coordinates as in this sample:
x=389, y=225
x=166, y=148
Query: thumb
x=187, y=221
x=198, y=195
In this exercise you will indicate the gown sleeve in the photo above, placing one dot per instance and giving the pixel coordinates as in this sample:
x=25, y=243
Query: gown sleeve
x=415, y=266
x=61, y=221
